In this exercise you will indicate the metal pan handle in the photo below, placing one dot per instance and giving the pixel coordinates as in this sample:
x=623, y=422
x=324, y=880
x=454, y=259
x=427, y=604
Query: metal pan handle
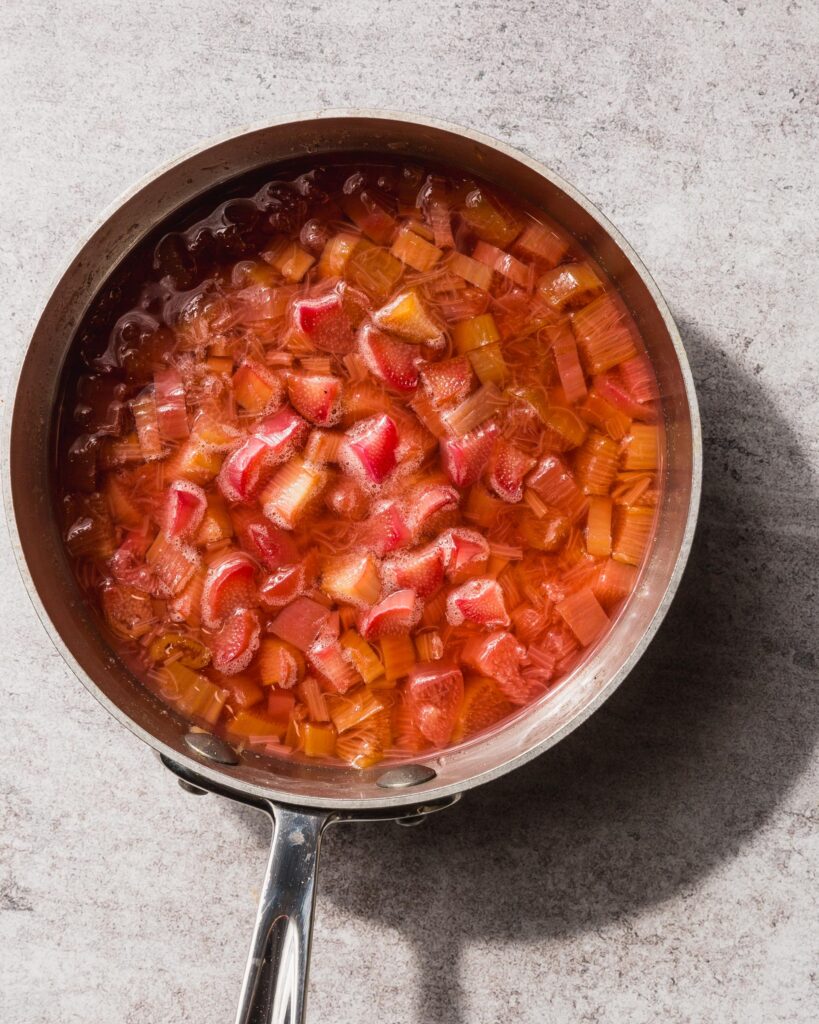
x=274, y=989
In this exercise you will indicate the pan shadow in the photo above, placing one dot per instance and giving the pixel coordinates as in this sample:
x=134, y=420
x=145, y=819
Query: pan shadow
x=670, y=777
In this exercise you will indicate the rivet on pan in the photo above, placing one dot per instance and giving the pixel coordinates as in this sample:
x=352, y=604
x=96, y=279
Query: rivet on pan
x=190, y=788
x=211, y=748
x=411, y=821
x=406, y=775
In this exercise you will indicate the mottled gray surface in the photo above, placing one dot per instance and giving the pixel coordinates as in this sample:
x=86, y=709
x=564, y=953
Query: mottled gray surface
x=660, y=865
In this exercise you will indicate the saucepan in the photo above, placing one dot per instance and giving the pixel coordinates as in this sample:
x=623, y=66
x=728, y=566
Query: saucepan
x=303, y=801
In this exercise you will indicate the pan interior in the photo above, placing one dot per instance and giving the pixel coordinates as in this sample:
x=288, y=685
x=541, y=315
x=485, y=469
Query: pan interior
x=176, y=193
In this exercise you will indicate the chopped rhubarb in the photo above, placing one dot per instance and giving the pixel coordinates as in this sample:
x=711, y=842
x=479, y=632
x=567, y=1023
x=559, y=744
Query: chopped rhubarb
x=291, y=261
x=375, y=271
x=336, y=254
x=434, y=694
x=489, y=364
x=229, y=584
x=583, y=615
x=122, y=501
x=352, y=579
x=471, y=270
x=171, y=411
x=475, y=333
x=192, y=694
x=300, y=622
x=569, y=285
x=482, y=508
x=364, y=399
x=146, y=422
x=631, y=534
x=314, y=700
x=504, y=263
x=369, y=210
x=565, y=429
x=362, y=656
x=397, y=613
x=490, y=218
x=355, y=709
x=256, y=728
x=500, y=656
x=479, y=601
x=606, y=417
x=546, y=532
x=319, y=739
x=393, y=361
x=464, y=458
x=641, y=448
x=474, y=410
x=614, y=581
x=186, y=606
x=243, y=690
x=280, y=664
x=567, y=361
x=216, y=525
x=596, y=464
x=323, y=446
x=316, y=396
x=553, y=482
x=369, y=448
x=212, y=431
x=295, y=485
x=172, y=565
x=280, y=704
x=434, y=200
x=324, y=322
x=256, y=388
x=430, y=645
x=91, y=536
x=411, y=249
x=398, y=655
x=639, y=378
x=598, y=527
x=610, y=387
x=544, y=243
x=604, y=334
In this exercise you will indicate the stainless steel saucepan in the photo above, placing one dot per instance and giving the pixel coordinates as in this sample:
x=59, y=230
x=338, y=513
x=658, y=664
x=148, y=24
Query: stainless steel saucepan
x=303, y=800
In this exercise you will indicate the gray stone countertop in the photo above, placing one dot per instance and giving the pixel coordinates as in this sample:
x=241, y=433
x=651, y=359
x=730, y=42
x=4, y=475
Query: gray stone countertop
x=661, y=863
